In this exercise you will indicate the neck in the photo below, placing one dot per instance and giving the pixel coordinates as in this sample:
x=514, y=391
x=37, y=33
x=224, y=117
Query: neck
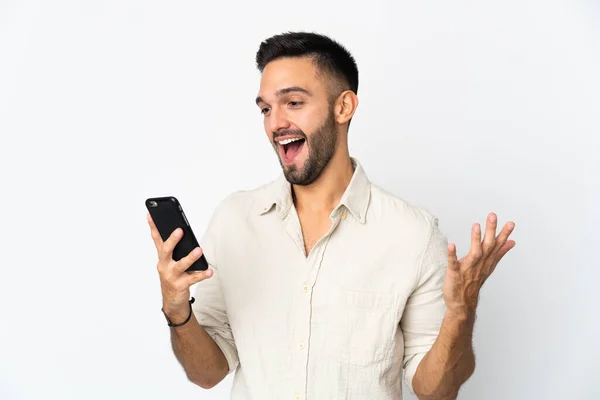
x=325, y=192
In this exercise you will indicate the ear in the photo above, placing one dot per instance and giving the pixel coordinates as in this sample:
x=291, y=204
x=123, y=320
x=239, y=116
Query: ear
x=345, y=106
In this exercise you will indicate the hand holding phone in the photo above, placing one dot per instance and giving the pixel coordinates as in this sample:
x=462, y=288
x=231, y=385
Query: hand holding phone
x=167, y=215
x=181, y=262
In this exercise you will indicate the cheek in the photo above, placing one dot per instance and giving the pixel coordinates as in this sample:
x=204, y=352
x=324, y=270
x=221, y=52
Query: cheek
x=306, y=125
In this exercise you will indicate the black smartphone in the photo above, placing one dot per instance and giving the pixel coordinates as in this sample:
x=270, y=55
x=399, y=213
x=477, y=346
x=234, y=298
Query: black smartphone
x=168, y=215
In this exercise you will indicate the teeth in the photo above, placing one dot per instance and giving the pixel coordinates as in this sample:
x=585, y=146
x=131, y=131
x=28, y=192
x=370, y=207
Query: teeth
x=288, y=141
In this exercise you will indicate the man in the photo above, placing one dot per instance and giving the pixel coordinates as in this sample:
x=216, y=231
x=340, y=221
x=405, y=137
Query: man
x=323, y=285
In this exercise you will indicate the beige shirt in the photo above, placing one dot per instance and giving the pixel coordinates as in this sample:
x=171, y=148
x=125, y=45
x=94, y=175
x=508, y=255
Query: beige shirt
x=343, y=322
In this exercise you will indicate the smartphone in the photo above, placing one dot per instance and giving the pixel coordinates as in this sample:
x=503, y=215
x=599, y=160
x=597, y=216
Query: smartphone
x=168, y=215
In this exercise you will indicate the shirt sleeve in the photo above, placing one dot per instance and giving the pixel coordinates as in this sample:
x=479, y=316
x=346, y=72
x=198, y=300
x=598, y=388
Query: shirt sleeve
x=209, y=307
x=425, y=308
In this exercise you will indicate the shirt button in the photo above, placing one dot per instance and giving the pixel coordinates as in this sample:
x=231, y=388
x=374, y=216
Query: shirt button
x=344, y=214
x=305, y=289
x=297, y=397
x=301, y=345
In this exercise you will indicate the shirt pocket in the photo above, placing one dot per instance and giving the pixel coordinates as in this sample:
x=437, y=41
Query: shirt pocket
x=361, y=326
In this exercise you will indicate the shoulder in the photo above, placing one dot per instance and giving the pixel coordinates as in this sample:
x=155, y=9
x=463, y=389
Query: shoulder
x=413, y=225
x=245, y=203
x=233, y=211
x=399, y=215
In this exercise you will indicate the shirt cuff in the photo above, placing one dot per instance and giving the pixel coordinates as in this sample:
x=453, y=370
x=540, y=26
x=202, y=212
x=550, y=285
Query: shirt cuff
x=229, y=351
x=411, y=368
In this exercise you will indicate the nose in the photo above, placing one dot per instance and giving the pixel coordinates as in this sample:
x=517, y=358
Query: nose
x=277, y=120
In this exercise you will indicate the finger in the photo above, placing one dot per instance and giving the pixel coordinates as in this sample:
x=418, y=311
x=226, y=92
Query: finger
x=166, y=252
x=158, y=242
x=489, y=240
x=503, y=236
x=475, y=252
x=199, y=276
x=505, y=249
x=452, y=259
x=187, y=261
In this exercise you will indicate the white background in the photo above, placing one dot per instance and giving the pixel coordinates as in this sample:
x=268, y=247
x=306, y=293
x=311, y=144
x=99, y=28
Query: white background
x=465, y=108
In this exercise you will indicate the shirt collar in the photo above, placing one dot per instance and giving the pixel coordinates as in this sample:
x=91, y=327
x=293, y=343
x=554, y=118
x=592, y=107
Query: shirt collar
x=355, y=198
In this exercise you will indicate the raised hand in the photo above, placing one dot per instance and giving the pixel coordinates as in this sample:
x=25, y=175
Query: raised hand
x=465, y=277
x=175, y=282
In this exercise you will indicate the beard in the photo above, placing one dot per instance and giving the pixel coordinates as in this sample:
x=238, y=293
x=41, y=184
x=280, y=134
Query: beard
x=321, y=147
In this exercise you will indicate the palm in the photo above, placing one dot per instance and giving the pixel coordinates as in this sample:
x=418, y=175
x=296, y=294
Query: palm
x=465, y=277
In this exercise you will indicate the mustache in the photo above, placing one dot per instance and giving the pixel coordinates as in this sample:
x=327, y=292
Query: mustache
x=284, y=132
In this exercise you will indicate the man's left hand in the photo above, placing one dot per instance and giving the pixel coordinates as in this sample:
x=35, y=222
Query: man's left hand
x=465, y=277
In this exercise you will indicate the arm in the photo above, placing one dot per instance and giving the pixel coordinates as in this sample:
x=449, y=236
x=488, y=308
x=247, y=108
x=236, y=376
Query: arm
x=450, y=361
x=199, y=355
x=203, y=346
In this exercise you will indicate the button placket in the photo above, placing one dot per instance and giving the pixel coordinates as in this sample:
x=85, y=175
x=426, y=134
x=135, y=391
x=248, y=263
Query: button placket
x=303, y=328
x=304, y=309
x=316, y=261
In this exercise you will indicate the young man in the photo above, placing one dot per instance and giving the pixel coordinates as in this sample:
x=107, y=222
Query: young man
x=323, y=285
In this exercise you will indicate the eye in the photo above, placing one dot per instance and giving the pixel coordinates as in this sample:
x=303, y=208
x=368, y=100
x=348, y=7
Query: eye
x=264, y=110
x=295, y=103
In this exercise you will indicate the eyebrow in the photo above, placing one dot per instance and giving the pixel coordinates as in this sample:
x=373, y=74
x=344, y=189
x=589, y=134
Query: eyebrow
x=286, y=90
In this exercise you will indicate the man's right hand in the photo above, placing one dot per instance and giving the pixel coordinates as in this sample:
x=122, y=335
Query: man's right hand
x=175, y=282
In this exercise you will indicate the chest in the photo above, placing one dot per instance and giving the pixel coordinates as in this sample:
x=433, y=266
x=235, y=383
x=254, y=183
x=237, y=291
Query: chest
x=342, y=302
x=270, y=270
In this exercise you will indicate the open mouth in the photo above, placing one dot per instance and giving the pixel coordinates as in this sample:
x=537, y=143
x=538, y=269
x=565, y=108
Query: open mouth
x=291, y=148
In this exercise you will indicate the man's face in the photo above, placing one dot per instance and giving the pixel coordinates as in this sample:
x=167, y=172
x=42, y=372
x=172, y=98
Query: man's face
x=298, y=118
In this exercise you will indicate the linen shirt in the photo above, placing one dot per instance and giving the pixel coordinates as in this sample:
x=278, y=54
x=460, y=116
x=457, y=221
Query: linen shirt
x=344, y=321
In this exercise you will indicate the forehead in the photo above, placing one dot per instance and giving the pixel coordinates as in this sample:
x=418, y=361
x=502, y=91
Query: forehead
x=288, y=72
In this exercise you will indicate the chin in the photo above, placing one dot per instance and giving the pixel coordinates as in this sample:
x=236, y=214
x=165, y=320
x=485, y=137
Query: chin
x=300, y=174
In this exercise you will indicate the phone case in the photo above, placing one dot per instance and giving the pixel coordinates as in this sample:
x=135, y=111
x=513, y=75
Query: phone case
x=168, y=215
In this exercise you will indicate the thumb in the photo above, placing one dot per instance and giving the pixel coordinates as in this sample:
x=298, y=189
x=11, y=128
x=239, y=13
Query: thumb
x=452, y=259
